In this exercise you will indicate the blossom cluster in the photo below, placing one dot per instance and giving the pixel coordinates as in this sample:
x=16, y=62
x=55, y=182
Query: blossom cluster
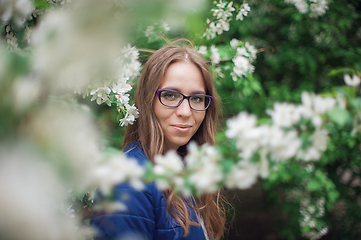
x=311, y=210
x=117, y=169
x=281, y=141
x=243, y=54
x=222, y=15
x=200, y=170
x=243, y=59
x=115, y=90
x=155, y=31
x=315, y=8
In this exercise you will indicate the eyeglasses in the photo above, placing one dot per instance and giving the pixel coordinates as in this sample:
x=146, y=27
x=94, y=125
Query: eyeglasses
x=172, y=98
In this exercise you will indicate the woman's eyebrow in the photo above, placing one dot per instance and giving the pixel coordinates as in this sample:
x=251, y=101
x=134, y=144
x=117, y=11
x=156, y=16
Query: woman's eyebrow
x=178, y=90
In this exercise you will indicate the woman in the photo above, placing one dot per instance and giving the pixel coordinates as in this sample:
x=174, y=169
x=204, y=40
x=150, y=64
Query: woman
x=177, y=103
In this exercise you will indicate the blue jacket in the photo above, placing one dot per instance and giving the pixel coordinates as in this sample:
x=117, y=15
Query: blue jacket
x=146, y=216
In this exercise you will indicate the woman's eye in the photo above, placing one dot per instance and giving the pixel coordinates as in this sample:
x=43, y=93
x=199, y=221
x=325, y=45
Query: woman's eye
x=197, y=99
x=169, y=95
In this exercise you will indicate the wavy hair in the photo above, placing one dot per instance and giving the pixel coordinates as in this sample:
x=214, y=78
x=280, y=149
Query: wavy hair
x=148, y=131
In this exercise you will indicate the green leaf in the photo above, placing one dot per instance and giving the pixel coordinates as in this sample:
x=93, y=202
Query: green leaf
x=339, y=116
x=313, y=186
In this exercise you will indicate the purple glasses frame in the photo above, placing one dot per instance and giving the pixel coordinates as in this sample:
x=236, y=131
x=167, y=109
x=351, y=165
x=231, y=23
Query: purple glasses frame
x=159, y=91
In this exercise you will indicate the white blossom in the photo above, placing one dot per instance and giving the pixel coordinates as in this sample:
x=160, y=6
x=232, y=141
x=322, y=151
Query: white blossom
x=130, y=116
x=202, y=50
x=206, y=179
x=252, y=50
x=243, y=11
x=223, y=15
x=30, y=186
x=242, y=51
x=15, y=10
x=318, y=8
x=68, y=55
x=315, y=9
x=110, y=207
x=240, y=123
x=100, y=94
x=313, y=106
x=285, y=114
x=242, y=67
x=283, y=145
x=242, y=176
x=215, y=57
x=26, y=92
x=202, y=162
x=71, y=132
x=117, y=169
x=234, y=43
x=353, y=82
x=318, y=144
x=167, y=164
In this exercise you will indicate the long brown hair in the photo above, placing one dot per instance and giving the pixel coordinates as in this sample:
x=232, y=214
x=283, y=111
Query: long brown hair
x=148, y=131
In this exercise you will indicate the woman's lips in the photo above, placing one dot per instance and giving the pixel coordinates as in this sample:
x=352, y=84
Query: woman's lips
x=182, y=128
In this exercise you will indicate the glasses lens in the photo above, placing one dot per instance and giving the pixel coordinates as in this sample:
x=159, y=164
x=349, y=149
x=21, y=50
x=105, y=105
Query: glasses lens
x=199, y=102
x=170, y=98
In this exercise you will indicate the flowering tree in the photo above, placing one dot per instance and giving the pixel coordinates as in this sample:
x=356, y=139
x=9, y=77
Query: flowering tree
x=54, y=53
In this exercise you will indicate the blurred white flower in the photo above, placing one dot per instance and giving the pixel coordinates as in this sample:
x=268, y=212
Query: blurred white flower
x=283, y=145
x=30, y=187
x=71, y=136
x=242, y=176
x=15, y=10
x=69, y=54
x=215, y=57
x=242, y=51
x=252, y=50
x=313, y=106
x=243, y=11
x=26, y=92
x=238, y=125
x=110, y=207
x=129, y=66
x=318, y=145
x=206, y=178
x=353, y=82
x=318, y=8
x=284, y=114
x=202, y=163
x=119, y=168
x=170, y=163
x=202, y=50
x=234, y=43
x=301, y=5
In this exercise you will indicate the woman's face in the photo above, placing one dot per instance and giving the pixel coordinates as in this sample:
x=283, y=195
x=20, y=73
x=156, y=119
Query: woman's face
x=180, y=123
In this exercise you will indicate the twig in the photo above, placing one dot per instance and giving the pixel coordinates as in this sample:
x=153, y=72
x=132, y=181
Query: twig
x=266, y=49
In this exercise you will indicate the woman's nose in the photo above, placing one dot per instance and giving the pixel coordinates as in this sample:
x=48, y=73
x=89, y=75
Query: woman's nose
x=184, y=109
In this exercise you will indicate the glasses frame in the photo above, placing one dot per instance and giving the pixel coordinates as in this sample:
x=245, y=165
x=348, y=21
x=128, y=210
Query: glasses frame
x=159, y=91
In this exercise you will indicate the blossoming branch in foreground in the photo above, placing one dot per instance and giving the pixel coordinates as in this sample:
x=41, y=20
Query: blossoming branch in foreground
x=15, y=10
